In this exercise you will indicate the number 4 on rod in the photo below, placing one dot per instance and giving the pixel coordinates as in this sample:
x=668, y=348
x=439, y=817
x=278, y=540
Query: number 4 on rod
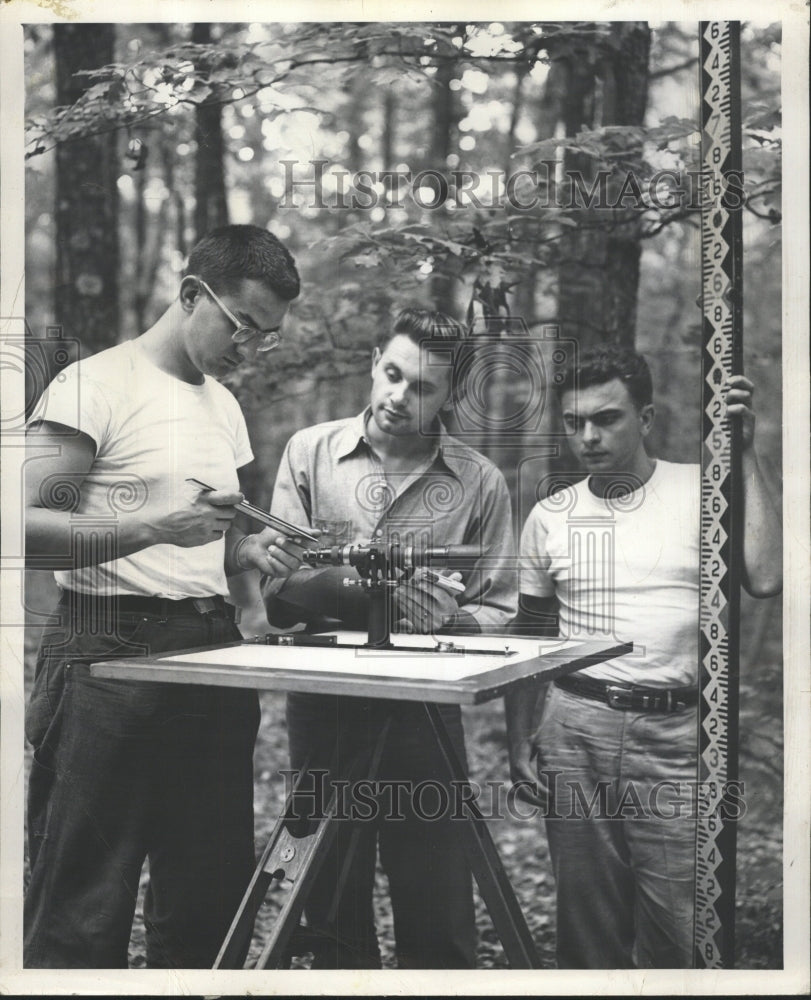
x=721, y=495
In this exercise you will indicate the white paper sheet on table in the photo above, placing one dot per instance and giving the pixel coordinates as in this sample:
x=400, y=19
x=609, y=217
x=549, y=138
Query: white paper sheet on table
x=376, y=663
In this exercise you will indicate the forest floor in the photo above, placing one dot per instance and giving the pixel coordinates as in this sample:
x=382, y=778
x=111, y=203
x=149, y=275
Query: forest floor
x=522, y=842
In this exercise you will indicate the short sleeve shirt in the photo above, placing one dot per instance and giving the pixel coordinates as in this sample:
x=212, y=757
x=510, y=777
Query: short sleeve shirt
x=151, y=431
x=624, y=569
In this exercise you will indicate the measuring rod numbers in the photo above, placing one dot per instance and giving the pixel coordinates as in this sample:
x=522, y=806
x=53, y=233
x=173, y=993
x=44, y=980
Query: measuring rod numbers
x=720, y=236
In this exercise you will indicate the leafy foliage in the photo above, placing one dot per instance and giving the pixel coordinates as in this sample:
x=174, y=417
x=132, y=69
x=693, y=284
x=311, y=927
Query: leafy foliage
x=461, y=239
x=367, y=96
x=129, y=94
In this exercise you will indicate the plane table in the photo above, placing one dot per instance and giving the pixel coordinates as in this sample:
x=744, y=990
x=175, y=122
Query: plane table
x=463, y=670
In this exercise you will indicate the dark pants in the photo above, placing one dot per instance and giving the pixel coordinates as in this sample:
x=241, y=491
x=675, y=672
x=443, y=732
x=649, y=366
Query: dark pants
x=429, y=880
x=128, y=770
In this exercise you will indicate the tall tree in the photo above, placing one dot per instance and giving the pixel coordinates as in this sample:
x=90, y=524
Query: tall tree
x=388, y=134
x=601, y=85
x=87, y=257
x=444, y=121
x=211, y=208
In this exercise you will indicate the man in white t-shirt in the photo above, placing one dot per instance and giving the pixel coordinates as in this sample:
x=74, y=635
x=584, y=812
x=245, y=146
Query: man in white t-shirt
x=613, y=763
x=125, y=771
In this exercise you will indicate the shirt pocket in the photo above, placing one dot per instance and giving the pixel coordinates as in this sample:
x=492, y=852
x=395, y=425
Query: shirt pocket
x=333, y=532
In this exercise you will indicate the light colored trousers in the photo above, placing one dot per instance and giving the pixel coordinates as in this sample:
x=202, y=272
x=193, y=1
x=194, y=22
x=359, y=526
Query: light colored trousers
x=621, y=829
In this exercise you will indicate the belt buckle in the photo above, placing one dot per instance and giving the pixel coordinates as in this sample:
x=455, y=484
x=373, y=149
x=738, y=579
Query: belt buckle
x=205, y=605
x=618, y=697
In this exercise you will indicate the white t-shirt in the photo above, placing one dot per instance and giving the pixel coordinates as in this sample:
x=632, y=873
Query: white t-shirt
x=152, y=431
x=625, y=569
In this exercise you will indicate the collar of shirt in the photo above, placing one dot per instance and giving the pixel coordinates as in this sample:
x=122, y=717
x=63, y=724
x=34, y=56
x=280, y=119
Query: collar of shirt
x=354, y=436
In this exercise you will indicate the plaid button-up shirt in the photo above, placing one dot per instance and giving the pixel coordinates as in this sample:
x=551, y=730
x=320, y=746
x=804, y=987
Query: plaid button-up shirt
x=330, y=478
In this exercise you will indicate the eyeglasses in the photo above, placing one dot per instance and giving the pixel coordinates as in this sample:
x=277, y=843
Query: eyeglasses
x=265, y=340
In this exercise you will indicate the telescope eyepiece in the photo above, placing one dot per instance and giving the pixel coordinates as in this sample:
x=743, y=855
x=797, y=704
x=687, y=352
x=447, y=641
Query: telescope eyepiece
x=394, y=555
x=326, y=556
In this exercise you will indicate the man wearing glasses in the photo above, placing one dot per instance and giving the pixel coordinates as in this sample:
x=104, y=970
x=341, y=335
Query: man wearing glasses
x=126, y=771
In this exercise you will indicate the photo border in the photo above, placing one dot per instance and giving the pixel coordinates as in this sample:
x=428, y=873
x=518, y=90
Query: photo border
x=794, y=978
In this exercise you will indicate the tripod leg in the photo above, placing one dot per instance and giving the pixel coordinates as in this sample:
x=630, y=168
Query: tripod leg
x=269, y=867
x=294, y=853
x=495, y=887
x=314, y=851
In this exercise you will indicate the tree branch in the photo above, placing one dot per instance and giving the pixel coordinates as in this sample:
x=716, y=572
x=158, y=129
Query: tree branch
x=676, y=68
x=773, y=215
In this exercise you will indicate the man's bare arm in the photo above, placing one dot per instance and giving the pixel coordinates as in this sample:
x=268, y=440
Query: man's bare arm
x=53, y=486
x=762, y=542
x=523, y=704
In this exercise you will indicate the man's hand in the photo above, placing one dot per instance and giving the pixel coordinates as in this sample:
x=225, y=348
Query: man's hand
x=199, y=521
x=529, y=785
x=423, y=605
x=273, y=554
x=523, y=707
x=739, y=404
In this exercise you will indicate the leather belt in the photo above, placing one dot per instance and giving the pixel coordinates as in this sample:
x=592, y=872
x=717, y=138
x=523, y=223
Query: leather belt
x=629, y=698
x=162, y=607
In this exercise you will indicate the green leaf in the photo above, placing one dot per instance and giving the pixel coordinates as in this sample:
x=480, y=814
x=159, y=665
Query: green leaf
x=199, y=92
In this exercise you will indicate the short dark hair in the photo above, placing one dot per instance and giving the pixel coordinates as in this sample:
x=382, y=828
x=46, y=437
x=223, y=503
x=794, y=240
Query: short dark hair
x=230, y=254
x=603, y=364
x=423, y=324
x=431, y=327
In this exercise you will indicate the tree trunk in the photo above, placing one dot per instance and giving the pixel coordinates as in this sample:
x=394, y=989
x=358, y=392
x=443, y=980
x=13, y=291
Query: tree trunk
x=444, y=114
x=356, y=93
x=87, y=245
x=154, y=242
x=211, y=208
x=140, y=250
x=444, y=120
x=389, y=126
x=598, y=277
x=523, y=305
